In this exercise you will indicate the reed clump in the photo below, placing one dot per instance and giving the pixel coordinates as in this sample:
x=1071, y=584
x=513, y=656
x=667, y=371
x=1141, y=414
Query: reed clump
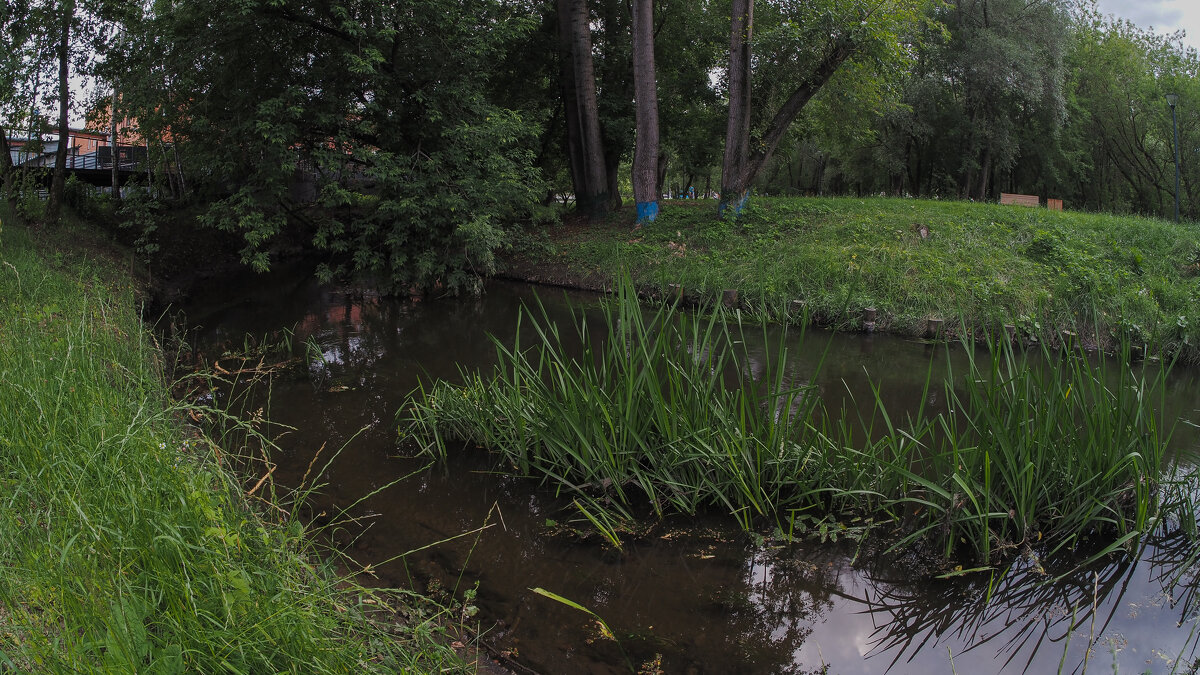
x=125, y=546
x=667, y=407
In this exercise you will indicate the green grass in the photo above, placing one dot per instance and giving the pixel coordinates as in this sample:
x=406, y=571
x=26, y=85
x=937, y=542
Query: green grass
x=124, y=545
x=1041, y=271
x=667, y=410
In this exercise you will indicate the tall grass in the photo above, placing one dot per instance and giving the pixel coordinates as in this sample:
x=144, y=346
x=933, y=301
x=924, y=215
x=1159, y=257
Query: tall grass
x=668, y=408
x=124, y=545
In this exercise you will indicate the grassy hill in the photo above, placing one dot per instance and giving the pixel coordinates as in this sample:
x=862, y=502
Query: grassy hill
x=126, y=545
x=976, y=266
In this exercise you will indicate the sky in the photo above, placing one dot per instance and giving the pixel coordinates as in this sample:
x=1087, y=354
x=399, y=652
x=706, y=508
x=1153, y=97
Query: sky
x=1165, y=16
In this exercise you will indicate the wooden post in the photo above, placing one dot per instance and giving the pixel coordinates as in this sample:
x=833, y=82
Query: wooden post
x=869, y=319
x=729, y=297
x=933, y=328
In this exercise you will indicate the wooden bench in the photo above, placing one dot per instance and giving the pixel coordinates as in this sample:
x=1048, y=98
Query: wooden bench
x=1019, y=200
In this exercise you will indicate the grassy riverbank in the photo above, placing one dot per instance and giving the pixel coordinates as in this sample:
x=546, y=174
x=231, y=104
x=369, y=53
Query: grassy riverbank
x=125, y=545
x=912, y=260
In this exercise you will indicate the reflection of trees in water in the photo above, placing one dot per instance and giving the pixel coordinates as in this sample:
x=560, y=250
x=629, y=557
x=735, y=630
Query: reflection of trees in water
x=778, y=599
x=1027, y=609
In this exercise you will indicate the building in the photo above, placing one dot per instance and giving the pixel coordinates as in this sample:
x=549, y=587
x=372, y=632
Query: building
x=85, y=150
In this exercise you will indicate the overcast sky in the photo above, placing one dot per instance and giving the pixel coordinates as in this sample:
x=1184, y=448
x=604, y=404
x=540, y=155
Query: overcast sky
x=1165, y=16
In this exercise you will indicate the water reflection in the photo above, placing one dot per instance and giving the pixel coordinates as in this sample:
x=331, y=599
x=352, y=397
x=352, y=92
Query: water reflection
x=695, y=591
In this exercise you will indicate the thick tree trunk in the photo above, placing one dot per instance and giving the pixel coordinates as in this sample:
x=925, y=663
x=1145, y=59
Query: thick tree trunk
x=645, y=156
x=985, y=173
x=582, y=111
x=571, y=114
x=64, y=99
x=734, y=185
x=612, y=177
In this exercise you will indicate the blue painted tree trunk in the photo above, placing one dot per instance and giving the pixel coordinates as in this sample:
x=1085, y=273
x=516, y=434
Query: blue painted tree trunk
x=733, y=206
x=646, y=153
x=647, y=212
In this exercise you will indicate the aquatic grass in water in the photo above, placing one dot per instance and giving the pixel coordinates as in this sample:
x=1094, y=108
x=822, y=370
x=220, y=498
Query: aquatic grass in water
x=632, y=419
x=669, y=408
x=1064, y=445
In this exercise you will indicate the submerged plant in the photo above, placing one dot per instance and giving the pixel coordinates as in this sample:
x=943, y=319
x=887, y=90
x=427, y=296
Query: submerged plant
x=670, y=408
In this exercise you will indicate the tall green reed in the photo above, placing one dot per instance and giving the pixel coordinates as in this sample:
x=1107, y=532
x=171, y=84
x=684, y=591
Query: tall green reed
x=668, y=408
x=663, y=409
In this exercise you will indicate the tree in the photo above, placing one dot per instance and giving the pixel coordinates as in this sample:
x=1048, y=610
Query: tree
x=585, y=149
x=735, y=169
x=645, y=159
x=691, y=110
x=66, y=19
x=7, y=171
x=1005, y=58
x=22, y=56
x=393, y=164
x=1120, y=126
x=805, y=45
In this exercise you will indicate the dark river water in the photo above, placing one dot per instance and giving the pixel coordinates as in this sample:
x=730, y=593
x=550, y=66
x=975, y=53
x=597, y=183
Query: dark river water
x=699, y=592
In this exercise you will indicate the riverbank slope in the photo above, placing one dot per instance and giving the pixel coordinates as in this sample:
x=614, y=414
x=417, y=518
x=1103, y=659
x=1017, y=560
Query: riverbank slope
x=976, y=267
x=125, y=544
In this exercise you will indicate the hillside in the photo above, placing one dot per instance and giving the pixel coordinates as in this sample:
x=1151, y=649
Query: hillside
x=975, y=266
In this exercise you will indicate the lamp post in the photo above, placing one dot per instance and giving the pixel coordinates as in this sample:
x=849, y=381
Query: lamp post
x=1172, y=99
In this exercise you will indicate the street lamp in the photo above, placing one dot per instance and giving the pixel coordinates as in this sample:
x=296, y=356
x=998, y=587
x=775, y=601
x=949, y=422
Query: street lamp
x=1172, y=99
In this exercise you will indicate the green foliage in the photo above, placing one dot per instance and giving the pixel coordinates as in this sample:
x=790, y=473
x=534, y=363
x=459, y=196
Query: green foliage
x=397, y=165
x=669, y=409
x=142, y=214
x=127, y=545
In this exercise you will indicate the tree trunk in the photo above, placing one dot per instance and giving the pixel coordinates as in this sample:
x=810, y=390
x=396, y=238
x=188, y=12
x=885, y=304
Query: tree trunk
x=734, y=186
x=571, y=114
x=612, y=177
x=179, y=169
x=116, y=163
x=985, y=172
x=791, y=109
x=645, y=156
x=615, y=78
x=64, y=99
x=589, y=174
x=7, y=173
x=740, y=166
